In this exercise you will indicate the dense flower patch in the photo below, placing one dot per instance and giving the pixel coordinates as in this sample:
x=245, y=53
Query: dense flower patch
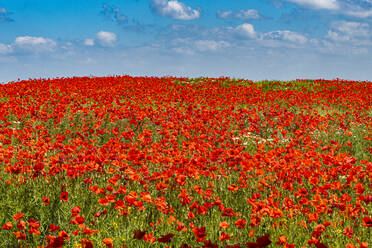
x=177, y=162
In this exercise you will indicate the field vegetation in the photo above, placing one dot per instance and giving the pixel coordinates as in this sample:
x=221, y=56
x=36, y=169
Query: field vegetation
x=178, y=162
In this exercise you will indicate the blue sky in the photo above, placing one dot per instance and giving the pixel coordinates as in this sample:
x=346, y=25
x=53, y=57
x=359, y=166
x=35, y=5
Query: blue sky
x=255, y=39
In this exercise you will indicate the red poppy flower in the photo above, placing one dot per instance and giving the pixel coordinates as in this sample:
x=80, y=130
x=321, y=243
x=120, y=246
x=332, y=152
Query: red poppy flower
x=108, y=242
x=64, y=196
x=19, y=235
x=53, y=228
x=75, y=211
x=228, y=212
x=261, y=242
x=149, y=238
x=139, y=234
x=78, y=220
x=7, y=226
x=18, y=216
x=33, y=223
x=363, y=244
x=86, y=243
x=166, y=238
x=46, y=200
x=240, y=223
x=103, y=201
x=367, y=221
x=63, y=234
x=34, y=231
x=57, y=242
x=191, y=215
x=199, y=233
x=232, y=187
x=224, y=237
x=264, y=240
x=209, y=244
x=21, y=225
x=320, y=245
x=224, y=225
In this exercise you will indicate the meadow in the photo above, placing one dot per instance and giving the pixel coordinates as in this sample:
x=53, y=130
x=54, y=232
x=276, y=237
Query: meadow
x=185, y=162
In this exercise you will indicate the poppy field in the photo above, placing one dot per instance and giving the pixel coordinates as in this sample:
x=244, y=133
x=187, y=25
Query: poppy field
x=178, y=162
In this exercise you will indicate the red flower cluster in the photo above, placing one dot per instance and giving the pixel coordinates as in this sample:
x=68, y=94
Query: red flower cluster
x=215, y=160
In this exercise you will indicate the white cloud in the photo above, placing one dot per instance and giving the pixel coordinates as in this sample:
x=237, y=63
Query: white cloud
x=105, y=38
x=89, y=42
x=210, y=45
x=358, y=8
x=246, y=30
x=352, y=28
x=348, y=31
x=337, y=36
x=174, y=9
x=345, y=38
x=247, y=14
x=190, y=46
x=359, y=13
x=5, y=49
x=225, y=14
x=242, y=14
x=317, y=4
x=34, y=44
x=286, y=35
x=352, y=8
